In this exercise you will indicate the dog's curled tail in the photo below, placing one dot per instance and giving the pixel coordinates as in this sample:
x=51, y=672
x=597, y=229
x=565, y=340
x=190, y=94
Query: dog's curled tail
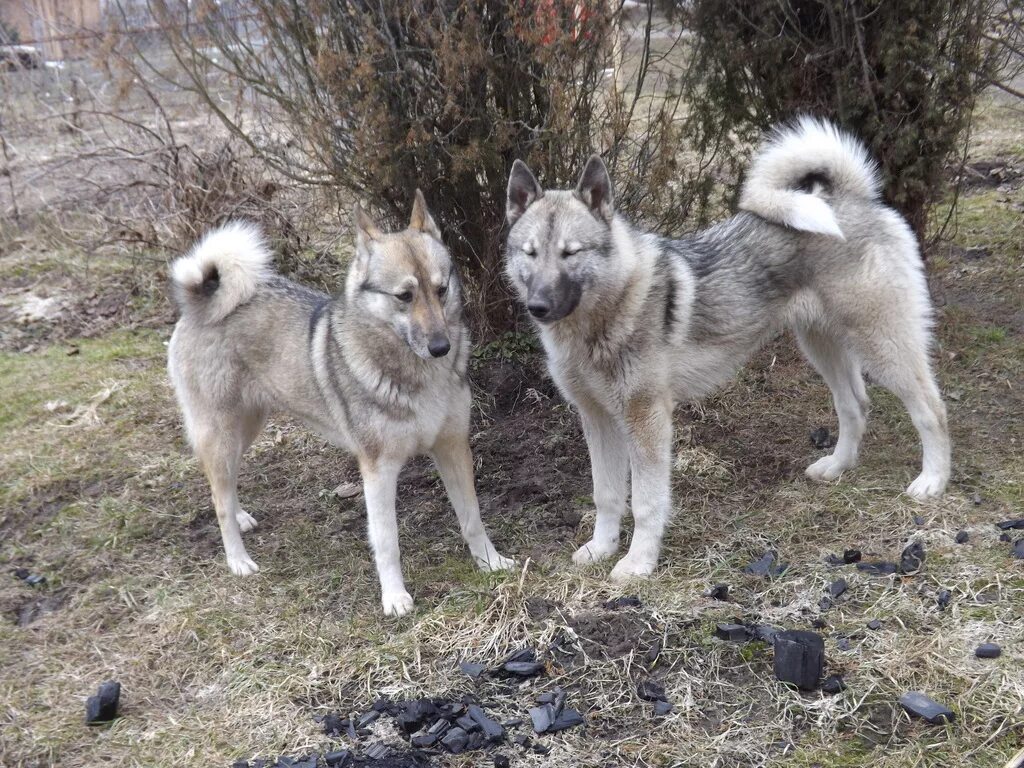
x=221, y=271
x=803, y=166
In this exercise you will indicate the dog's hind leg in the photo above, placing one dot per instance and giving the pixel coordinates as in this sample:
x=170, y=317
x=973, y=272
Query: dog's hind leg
x=901, y=365
x=455, y=463
x=609, y=466
x=252, y=425
x=220, y=446
x=841, y=372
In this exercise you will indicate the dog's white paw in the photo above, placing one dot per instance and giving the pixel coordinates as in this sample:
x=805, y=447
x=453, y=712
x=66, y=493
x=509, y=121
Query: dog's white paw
x=495, y=562
x=826, y=468
x=594, y=552
x=242, y=565
x=396, y=603
x=926, y=486
x=246, y=522
x=628, y=568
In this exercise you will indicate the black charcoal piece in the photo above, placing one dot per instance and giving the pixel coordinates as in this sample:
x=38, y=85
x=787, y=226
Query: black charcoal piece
x=240, y=764
x=439, y=727
x=491, y=730
x=942, y=598
x=21, y=573
x=719, y=592
x=383, y=704
x=799, y=658
x=523, y=668
x=918, y=520
x=977, y=499
x=834, y=560
x=472, y=669
x=542, y=717
x=284, y=761
x=259, y=762
x=1006, y=525
x=35, y=580
x=567, y=718
x=376, y=751
x=466, y=723
x=546, y=698
x=523, y=654
x=833, y=684
x=851, y=556
x=628, y=601
x=521, y=740
x=880, y=568
x=334, y=725
x=919, y=705
x=1018, y=549
x=662, y=708
x=821, y=438
x=540, y=749
x=962, y=537
x=837, y=587
x=423, y=740
x=762, y=566
x=988, y=651
x=307, y=761
x=501, y=761
x=338, y=759
x=874, y=624
x=512, y=723
x=650, y=690
x=819, y=623
x=733, y=632
x=843, y=644
x=476, y=741
x=825, y=603
x=102, y=708
x=653, y=652
x=456, y=740
x=912, y=558
x=368, y=719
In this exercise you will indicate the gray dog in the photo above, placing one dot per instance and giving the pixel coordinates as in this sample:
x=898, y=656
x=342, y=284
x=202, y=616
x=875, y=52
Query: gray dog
x=633, y=322
x=379, y=371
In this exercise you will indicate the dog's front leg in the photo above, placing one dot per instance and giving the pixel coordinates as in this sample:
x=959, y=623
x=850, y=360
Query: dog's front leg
x=609, y=468
x=455, y=463
x=649, y=426
x=380, y=482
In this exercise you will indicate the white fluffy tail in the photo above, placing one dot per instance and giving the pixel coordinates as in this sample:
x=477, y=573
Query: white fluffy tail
x=221, y=271
x=800, y=168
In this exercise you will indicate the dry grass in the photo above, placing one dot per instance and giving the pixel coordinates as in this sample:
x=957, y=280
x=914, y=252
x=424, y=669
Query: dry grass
x=114, y=513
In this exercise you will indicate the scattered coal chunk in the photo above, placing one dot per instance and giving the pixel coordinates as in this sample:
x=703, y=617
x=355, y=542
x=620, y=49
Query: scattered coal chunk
x=1007, y=525
x=819, y=623
x=719, y=592
x=492, y=730
x=851, y=556
x=962, y=537
x=766, y=566
x=240, y=764
x=874, y=624
x=555, y=716
x=988, y=651
x=821, y=438
x=736, y=633
x=912, y=558
x=21, y=573
x=943, y=598
x=825, y=603
x=102, y=708
x=501, y=761
x=522, y=663
x=377, y=751
x=334, y=725
x=628, y=601
x=799, y=658
x=662, y=708
x=1018, y=549
x=843, y=644
x=918, y=520
x=472, y=669
x=35, y=580
x=455, y=740
x=879, y=568
x=338, y=759
x=1004, y=537
x=367, y=719
x=920, y=705
x=834, y=560
x=833, y=684
x=837, y=587
x=650, y=690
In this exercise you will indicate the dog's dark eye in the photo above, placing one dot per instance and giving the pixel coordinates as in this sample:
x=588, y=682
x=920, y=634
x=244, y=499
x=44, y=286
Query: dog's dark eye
x=529, y=250
x=404, y=296
x=442, y=290
x=567, y=252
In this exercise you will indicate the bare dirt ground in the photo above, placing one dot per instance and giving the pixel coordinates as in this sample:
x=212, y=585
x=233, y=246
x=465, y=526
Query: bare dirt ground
x=98, y=494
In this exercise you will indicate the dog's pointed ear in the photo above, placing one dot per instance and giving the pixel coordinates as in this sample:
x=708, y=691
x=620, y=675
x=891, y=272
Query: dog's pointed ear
x=421, y=218
x=595, y=189
x=523, y=191
x=366, y=232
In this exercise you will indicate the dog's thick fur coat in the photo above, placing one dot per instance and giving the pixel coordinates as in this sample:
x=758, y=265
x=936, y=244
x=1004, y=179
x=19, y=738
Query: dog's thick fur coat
x=633, y=322
x=379, y=371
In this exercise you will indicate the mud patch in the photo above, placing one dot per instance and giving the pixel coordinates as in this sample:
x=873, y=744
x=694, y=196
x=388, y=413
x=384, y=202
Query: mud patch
x=613, y=634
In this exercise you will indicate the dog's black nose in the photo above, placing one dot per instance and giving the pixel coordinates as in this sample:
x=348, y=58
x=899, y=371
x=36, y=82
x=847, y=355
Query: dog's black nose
x=439, y=347
x=539, y=309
